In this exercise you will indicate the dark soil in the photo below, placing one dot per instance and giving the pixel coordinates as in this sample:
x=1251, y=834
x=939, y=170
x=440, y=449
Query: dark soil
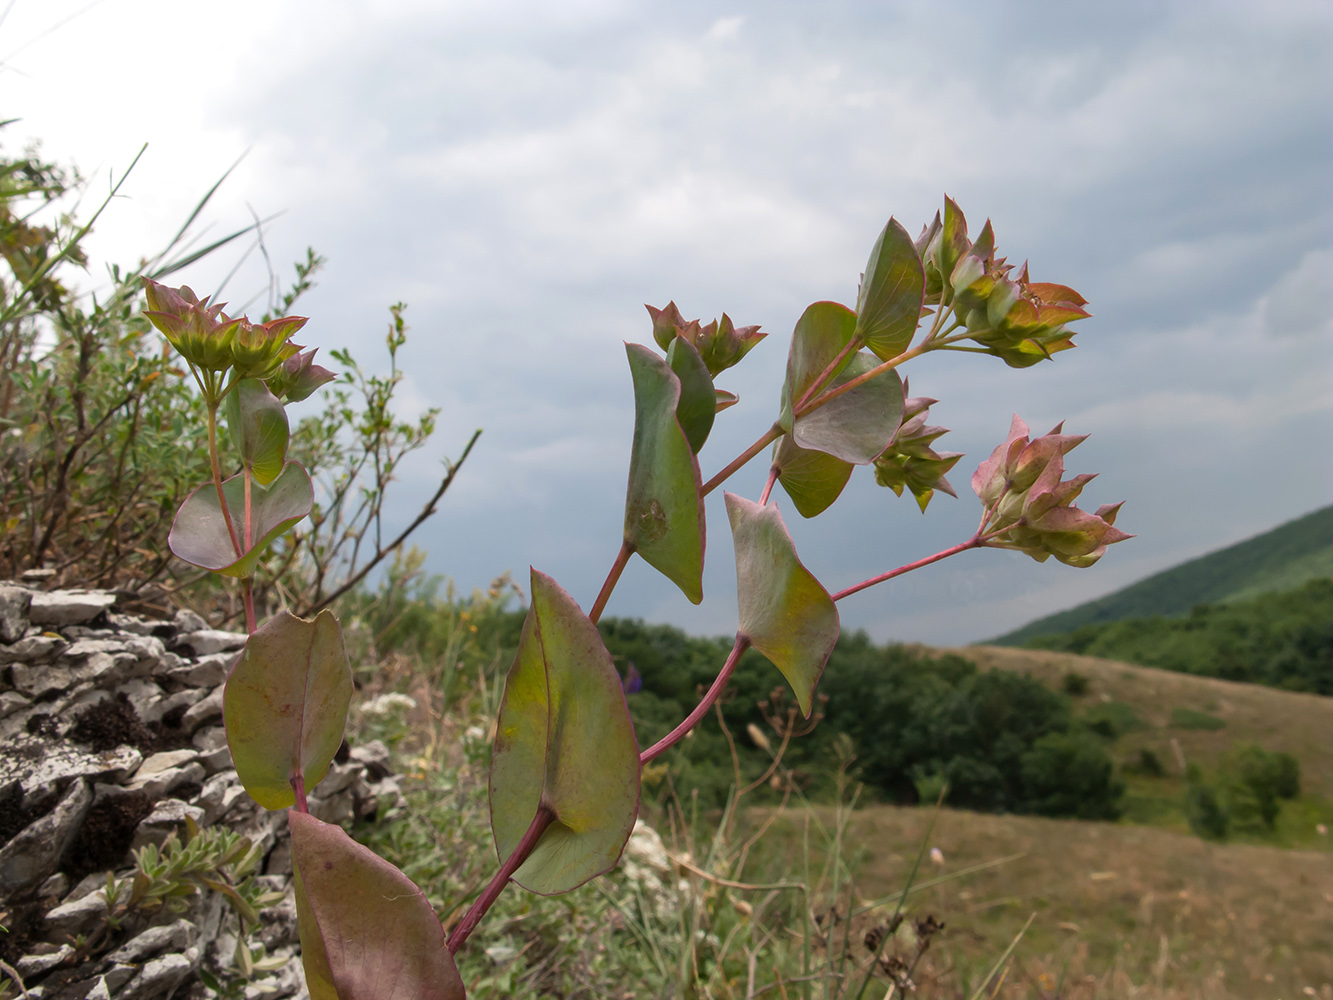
x=106, y=834
x=13, y=817
x=43, y=725
x=23, y=922
x=114, y=722
x=110, y=724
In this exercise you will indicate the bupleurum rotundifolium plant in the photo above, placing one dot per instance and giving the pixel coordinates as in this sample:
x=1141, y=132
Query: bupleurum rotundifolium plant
x=565, y=764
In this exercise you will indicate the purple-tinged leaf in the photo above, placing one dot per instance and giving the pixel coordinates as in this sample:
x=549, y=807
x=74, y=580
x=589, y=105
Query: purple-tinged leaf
x=784, y=611
x=725, y=399
x=858, y=425
x=367, y=932
x=698, y=399
x=823, y=330
x=812, y=479
x=563, y=740
x=888, y=306
x=199, y=532
x=286, y=705
x=664, y=519
x=258, y=423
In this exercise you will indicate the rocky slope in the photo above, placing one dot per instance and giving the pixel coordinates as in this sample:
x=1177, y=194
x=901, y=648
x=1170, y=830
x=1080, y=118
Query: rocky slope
x=111, y=741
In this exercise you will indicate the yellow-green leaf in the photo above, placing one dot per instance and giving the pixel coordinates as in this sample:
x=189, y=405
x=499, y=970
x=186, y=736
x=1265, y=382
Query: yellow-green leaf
x=285, y=705
x=812, y=479
x=785, y=612
x=888, y=306
x=664, y=518
x=563, y=740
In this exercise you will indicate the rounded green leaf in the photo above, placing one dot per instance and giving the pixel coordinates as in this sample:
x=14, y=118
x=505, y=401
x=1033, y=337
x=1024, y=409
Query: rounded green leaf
x=823, y=330
x=199, y=532
x=784, y=611
x=367, y=932
x=664, y=518
x=285, y=705
x=698, y=400
x=858, y=425
x=812, y=479
x=258, y=422
x=893, y=289
x=564, y=740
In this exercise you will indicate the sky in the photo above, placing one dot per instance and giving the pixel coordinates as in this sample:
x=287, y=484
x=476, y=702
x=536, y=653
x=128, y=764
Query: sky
x=526, y=176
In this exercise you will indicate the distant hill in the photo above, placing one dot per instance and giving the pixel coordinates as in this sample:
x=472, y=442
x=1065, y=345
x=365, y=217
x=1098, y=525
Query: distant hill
x=1278, y=560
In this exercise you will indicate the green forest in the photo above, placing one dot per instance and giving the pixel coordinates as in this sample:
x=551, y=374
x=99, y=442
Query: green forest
x=1281, y=639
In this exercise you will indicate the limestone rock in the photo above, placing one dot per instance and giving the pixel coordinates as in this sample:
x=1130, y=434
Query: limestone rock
x=68, y=607
x=35, y=853
x=166, y=818
x=207, y=641
x=13, y=613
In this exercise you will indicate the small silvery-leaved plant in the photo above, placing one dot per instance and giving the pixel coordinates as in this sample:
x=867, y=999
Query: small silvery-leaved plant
x=565, y=763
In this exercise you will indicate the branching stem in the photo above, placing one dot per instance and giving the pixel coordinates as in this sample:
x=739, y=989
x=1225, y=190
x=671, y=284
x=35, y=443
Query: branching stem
x=768, y=437
x=700, y=710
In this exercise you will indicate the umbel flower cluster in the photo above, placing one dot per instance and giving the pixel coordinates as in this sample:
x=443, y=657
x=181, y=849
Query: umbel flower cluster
x=213, y=342
x=1030, y=509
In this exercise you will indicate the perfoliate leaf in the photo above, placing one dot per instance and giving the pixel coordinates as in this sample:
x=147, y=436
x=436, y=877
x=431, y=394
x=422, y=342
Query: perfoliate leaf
x=285, y=705
x=888, y=307
x=858, y=425
x=199, y=532
x=698, y=399
x=784, y=611
x=258, y=423
x=563, y=740
x=664, y=518
x=812, y=479
x=823, y=330
x=367, y=932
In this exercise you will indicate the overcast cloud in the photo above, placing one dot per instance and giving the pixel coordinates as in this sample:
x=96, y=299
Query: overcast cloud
x=527, y=175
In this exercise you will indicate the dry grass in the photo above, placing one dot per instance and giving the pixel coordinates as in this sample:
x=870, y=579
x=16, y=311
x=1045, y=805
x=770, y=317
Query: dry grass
x=1299, y=724
x=1121, y=911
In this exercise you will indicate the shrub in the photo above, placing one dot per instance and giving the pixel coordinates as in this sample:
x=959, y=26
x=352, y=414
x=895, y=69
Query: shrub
x=1112, y=719
x=1069, y=774
x=1204, y=810
x=1189, y=718
x=1074, y=684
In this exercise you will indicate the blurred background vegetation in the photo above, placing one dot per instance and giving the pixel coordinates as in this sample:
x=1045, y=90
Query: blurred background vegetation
x=1209, y=795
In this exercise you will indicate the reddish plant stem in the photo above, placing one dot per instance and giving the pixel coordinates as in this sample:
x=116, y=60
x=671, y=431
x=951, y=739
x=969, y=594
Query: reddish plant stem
x=613, y=577
x=975, y=542
x=491, y=893
x=817, y=386
x=298, y=786
x=248, y=596
x=691, y=720
x=771, y=435
x=773, y=474
x=248, y=583
x=217, y=479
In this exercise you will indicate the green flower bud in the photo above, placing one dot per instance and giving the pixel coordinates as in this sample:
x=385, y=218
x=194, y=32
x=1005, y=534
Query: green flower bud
x=259, y=349
x=201, y=333
x=910, y=462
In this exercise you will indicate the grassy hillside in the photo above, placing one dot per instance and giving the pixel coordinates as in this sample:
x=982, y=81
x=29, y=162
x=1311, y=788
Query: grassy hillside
x=1120, y=911
x=1170, y=710
x=1283, y=640
x=1281, y=559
